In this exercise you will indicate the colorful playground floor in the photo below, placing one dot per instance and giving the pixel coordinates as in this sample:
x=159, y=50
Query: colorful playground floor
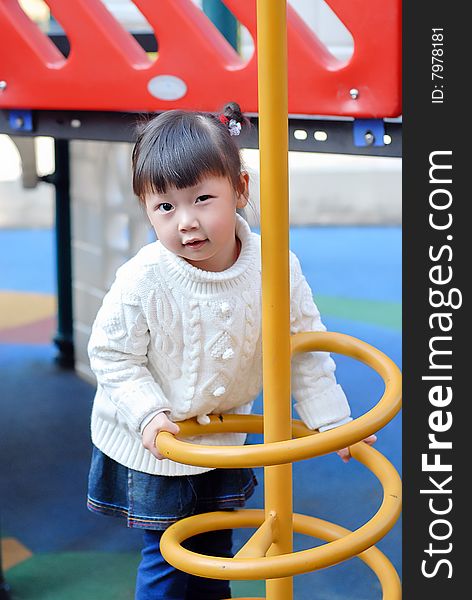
x=52, y=547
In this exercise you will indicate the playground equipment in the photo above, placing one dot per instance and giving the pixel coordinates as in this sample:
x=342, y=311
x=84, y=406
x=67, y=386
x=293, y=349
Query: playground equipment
x=269, y=553
x=59, y=82
x=44, y=92
x=48, y=88
x=253, y=561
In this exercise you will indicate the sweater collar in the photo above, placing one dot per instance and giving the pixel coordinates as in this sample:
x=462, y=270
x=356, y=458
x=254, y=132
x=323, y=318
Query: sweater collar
x=198, y=280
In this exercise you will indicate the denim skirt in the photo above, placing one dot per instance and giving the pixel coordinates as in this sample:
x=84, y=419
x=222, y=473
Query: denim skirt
x=156, y=501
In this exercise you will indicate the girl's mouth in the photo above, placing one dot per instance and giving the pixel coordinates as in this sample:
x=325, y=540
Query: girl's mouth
x=196, y=245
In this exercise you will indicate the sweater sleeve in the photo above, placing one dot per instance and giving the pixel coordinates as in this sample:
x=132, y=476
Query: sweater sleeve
x=118, y=349
x=319, y=400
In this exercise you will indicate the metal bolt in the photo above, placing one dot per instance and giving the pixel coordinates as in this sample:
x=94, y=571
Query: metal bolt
x=3, y=86
x=369, y=138
x=75, y=123
x=354, y=93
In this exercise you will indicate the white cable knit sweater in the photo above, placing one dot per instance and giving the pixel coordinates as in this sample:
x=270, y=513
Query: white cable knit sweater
x=172, y=337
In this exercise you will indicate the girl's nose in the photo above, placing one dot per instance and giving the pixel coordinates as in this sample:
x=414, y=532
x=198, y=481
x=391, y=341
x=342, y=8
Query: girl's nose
x=188, y=222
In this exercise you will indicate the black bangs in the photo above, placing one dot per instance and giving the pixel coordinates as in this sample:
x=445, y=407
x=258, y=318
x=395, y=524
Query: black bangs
x=177, y=149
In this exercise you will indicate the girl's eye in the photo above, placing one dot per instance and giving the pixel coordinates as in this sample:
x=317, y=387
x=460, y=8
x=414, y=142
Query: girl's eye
x=203, y=198
x=164, y=207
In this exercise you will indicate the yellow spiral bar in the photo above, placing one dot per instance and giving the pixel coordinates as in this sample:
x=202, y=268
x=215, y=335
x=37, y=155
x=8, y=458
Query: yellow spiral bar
x=373, y=557
x=276, y=453
x=285, y=565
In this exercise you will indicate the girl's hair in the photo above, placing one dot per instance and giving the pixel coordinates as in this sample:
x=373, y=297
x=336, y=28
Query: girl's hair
x=178, y=148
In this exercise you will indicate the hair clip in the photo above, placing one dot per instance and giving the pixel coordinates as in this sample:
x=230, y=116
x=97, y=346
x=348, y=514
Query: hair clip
x=234, y=127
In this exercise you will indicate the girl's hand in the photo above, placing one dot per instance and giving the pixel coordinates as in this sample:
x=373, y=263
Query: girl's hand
x=344, y=453
x=159, y=423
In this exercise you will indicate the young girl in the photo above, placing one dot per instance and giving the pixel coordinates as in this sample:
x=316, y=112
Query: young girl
x=179, y=336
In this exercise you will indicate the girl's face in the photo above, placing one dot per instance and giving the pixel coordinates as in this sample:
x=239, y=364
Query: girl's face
x=198, y=223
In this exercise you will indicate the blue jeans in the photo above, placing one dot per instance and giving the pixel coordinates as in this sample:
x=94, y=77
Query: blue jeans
x=155, y=501
x=157, y=580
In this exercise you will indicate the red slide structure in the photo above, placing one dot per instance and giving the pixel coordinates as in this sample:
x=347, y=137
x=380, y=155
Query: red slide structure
x=196, y=68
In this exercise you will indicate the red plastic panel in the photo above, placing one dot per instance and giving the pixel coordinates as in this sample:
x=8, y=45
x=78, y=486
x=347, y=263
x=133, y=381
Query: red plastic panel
x=108, y=70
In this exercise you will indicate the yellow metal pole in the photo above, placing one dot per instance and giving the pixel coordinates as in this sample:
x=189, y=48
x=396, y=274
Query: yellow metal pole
x=273, y=144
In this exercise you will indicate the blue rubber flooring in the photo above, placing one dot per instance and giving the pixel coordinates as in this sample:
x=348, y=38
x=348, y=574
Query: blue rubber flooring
x=44, y=444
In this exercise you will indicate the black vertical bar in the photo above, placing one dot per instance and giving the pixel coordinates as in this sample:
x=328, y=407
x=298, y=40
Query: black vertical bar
x=61, y=180
x=436, y=326
x=4, y=587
